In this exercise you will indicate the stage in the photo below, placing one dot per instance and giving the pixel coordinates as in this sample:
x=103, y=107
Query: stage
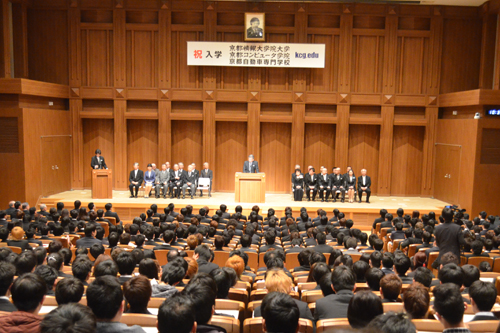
x=363, y=213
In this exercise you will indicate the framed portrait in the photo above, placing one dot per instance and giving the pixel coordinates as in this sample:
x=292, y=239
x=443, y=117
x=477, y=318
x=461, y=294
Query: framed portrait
x=255, y=27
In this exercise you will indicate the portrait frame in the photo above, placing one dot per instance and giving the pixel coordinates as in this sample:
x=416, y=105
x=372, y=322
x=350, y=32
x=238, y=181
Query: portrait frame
x=250, y=34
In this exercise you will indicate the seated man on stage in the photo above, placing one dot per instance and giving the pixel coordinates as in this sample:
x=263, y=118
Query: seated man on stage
x=176, y=182
x=207, y=173
x=189, y=181
x=136, y=177
x=338, y=184
x=324, y=185
x=161, y=181
x=364, y=183
x=310, y=184
x=251, y=166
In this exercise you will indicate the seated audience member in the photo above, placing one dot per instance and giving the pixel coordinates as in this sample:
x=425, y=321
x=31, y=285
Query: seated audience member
x=390, y=288
x=237, y=263
x=192, y=268
x=25, y=263
x=392, y=322
x=484, y=266
x=452, y=273
x=449, y=307
x=55, y=260
x=360, y=267
x=41, y=254
x=483, y=296
x=322, y=247
x=17, y=234
x=376, y=259
x=96, y=250
x=416, y=301
x=172, y=275
x=402, y=264
x=69, y=318
x=49, y=275
x=423, y=276
x=81, y=268
x=106, y=267
x=223, y=282
x=477, y=250
x=303, y=258
x=177, y=314
x=280, y=313
x=89, y=239
x=388, y=263
x=150, y=269
x=126, y=265
x=363, y=307
x=28, y=292
x=202, y=291
x=69, y=290
x=335, y=305
x=137, y=292
x=105, y=299
x=278, y=281
x=202, y=256
x=7, y=272
x=471, y=274
x=373, y=276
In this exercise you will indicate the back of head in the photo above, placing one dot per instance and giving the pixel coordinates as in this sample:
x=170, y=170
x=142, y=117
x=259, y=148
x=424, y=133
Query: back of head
x=402, y=263
x=280, y=313
x=343, y=278
x=106, y=268
x=137, y=291
x=28, y=292
x=69, y=290
x=278, y=281
x=416, y=301
x=25, y=263
x=104, y=297
x=174, y=271
x=471, y=274
x=373, y=276
x=391, y=286
x=451, y=273
x=484, y=295
x=203, y=297
x=7, y=272
x=363, y=307
x=176, y=314
x=448, y=303
x=423, y=276
x=392, y=322
x=223, y=281
x=126, y=263
x=48, y=274
x=75, y=318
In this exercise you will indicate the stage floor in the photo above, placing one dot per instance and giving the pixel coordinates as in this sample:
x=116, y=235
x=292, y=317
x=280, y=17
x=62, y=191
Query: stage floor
x=361, y=213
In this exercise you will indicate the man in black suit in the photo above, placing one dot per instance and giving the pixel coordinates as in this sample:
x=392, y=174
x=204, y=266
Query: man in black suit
x=136, y=177
x=338, y=184
x=3, y=220
x=324, y=185
x=251, y=166
x=335, y=305
x=322, y=247
x=11, y=210
x=207, y=173
x=482, y=298
x=189, y=181
x=311, y=184
x=202, y=256
x=98, y=161
x=364, y=183
x=448, y=235
x=109, y=213
x=176, y=182
x=89, y=239
x=7, y=272
x=43, y=210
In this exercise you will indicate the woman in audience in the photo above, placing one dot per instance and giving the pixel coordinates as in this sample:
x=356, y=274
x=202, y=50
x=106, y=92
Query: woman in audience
x=318, y=270
x=137, y=292
x=237, y=263
x=149, y=179
x=151, y=269
x=363, y=307
x=192, y=268
x=416, y=301
x=192, y=242
x=82, y=214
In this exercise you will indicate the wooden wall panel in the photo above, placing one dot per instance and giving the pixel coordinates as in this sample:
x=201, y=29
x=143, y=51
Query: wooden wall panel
x=410, y=64
x=460, y=61
x=275, y=146
x=368, y=57
x=97, y=134
x=364, y=145
x=14, y=185
x=48, y=45
x=142, y=143
x=97, y=58
x=142, y=57
x=230, y=153
x=187, y=143
x=277, y=78
x=183, y=76
x=319, y=147
x=407, y=156
x=232, y=77
x=325, y=79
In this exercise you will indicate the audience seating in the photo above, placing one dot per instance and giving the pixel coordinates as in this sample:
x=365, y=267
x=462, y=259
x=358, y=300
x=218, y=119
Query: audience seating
x=432, y=256
x=254, y=325
x=332, y=324
x=428, y=325
x=311, y=296
x=15, y=249
x=396, y=307
x=483, y=326
x=231, y=325
x=161, y=256
x=292, y=260
x=475, y=261
x=220, y=258
x=238, y=295
x=144, y=320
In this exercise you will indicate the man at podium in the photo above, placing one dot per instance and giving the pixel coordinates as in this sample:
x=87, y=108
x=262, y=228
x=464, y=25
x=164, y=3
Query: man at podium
x=251, y=166
x=98, y=161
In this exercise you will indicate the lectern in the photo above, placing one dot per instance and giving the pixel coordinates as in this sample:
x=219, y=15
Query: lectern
x=250, y=187
x=102, y=184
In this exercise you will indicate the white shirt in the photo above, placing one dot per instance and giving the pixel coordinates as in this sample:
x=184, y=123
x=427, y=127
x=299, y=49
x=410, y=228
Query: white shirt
x=136, y=172
x=364, y=180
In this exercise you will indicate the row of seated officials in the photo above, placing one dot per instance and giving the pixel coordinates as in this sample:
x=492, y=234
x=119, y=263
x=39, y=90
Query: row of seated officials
x=274, y=259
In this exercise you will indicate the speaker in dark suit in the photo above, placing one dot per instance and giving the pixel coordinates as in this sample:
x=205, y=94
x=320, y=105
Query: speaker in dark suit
x=207, y=173
x=97, y=161
x=251, y=166
x=176, y=182
x=338, y=184
x=136, y=177
x=324, y=185
x=364, y=183
x=189, y=181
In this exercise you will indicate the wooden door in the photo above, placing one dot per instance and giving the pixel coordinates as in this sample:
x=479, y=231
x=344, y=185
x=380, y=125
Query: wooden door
x=56, y=164
x=446, y=173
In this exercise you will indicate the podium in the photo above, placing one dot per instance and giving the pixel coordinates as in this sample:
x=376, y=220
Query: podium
x=102, y=184
x=250, y=187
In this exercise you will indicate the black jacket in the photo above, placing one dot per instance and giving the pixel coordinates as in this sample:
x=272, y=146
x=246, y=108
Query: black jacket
x=304, y=310
x=102, y=164
x=139, y=178
x=333, y=306
x=205, y=266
